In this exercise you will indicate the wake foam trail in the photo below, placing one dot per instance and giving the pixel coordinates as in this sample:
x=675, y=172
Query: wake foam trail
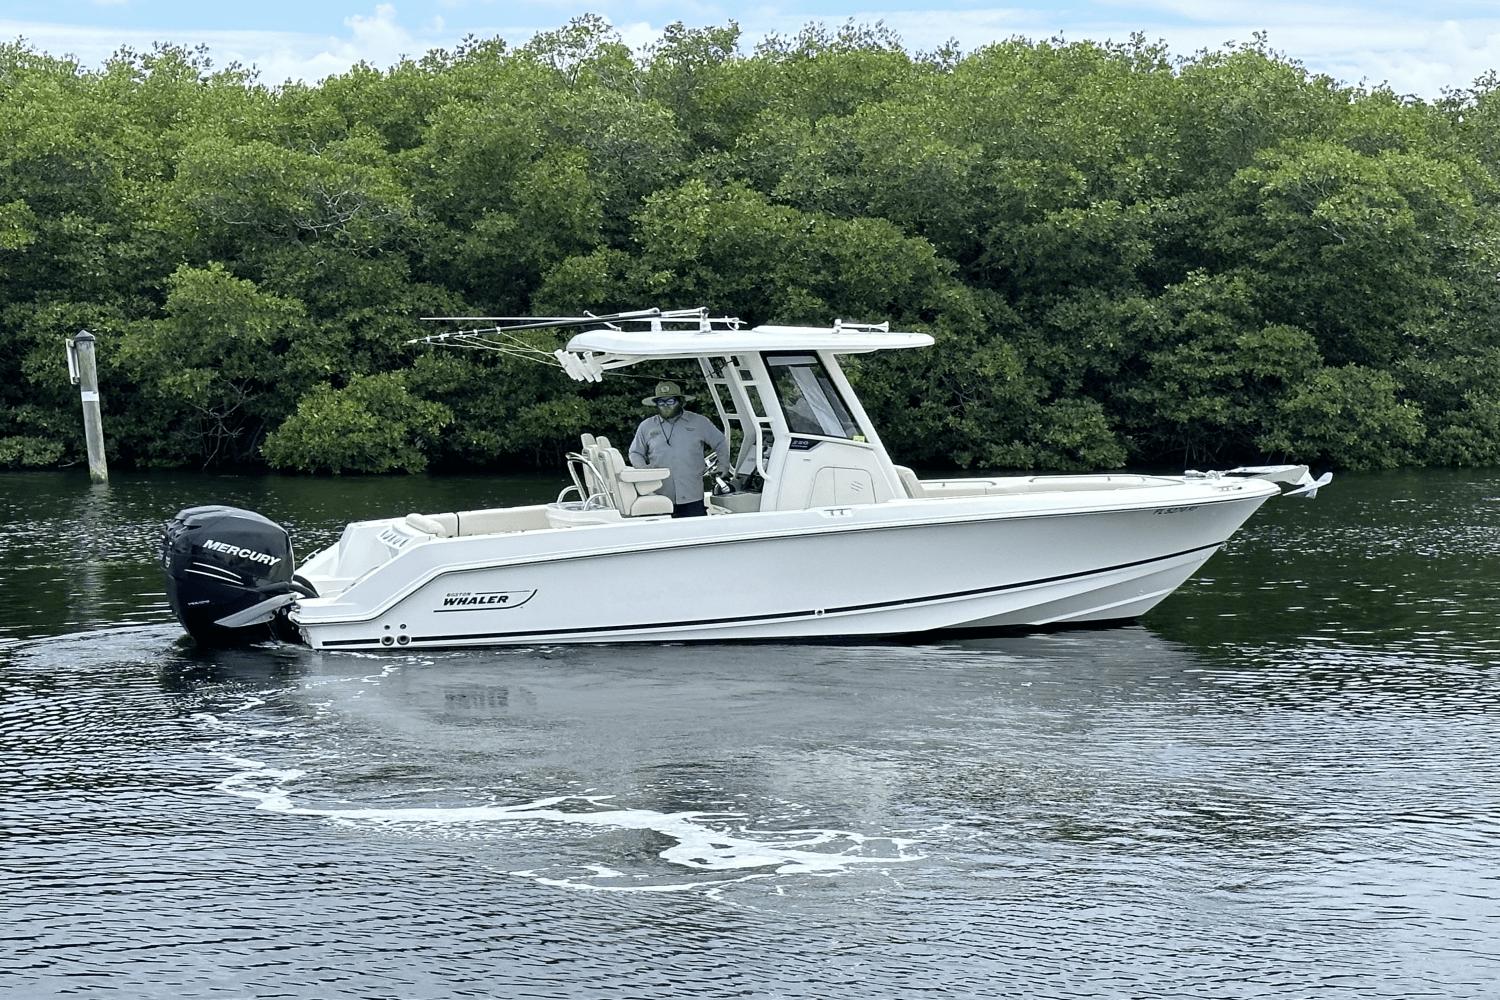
x=704, y=843
x=707, y=849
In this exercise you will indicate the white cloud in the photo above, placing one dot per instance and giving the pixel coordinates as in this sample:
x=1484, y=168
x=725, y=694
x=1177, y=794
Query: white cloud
x=378, y=33
x=92, y=46
x=639, y=36
x=1415, y=55
x=1415, y=52
x=377, y=38
x=1446, y=57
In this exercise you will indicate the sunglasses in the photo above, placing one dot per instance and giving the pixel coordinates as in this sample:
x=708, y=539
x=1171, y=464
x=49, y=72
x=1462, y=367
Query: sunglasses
x=666, y=400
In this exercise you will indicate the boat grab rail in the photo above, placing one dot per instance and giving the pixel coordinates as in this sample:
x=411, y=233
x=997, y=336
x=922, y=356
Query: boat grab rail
x=580, y=467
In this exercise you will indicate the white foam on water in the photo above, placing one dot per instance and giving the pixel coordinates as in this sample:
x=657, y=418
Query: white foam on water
x=704, y=843
x=713, y=848
x=716, y=857
x=259, y=782
x=212, y=721
x=386, y=671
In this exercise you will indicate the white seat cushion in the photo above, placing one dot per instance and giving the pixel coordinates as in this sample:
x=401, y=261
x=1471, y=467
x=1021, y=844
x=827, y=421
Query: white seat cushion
x=910, y=482
x=427, y=523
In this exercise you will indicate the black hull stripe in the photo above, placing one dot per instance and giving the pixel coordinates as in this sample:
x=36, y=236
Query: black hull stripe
x=781, y=616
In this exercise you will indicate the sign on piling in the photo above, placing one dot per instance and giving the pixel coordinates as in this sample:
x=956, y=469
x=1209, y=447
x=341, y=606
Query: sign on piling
x=85, y=375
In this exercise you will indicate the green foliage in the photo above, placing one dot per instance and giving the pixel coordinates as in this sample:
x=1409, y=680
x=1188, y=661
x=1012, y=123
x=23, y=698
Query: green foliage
x=1350, y=415
x=17, y=226
x=1207, y=371
x=222, y=363
x=1468, y=434
x=371, y=425
x=1349, y=246
x=1124, y=256
x=22, y=452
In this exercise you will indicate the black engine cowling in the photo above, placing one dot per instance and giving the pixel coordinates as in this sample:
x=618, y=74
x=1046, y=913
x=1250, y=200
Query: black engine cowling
x=222, y=562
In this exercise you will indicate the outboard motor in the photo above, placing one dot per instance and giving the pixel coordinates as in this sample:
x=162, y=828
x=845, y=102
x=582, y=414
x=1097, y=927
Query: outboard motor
x=229, y=575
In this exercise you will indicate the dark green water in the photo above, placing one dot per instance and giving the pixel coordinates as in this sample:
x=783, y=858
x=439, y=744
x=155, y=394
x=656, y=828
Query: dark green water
x=1283, y=783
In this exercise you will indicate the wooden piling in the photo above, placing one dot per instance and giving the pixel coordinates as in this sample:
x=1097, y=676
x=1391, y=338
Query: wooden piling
x=86, y=374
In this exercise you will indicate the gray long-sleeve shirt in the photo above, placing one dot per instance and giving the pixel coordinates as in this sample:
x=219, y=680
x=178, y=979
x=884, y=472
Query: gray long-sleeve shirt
x=678, y=445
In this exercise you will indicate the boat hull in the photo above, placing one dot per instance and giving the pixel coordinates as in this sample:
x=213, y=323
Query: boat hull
x=979, y=563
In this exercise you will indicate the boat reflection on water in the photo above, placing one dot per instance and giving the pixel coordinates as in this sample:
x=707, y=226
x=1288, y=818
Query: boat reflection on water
x=694, y=727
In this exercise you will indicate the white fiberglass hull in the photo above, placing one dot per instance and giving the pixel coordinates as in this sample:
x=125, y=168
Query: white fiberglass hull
x=882, y=569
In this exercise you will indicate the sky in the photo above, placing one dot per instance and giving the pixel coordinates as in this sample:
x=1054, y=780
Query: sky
x=1414, y=47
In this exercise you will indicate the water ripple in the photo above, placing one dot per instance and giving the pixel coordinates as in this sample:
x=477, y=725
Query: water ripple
x=1283, y=785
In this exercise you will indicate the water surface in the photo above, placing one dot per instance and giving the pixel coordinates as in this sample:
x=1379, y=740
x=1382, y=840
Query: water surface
x=1282, y=783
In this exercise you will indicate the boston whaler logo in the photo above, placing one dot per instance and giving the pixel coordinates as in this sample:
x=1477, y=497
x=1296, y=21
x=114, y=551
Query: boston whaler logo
x=485, y=600
x=264, y=558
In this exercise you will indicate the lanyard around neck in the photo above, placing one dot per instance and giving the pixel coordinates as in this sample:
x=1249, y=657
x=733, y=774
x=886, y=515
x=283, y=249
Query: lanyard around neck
x=664, y=424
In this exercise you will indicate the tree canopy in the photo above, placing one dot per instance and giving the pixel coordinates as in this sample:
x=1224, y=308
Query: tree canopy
x=1125, y=257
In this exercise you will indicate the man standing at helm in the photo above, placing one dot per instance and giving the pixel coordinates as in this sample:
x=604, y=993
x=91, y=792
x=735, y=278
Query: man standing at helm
x=675, y=440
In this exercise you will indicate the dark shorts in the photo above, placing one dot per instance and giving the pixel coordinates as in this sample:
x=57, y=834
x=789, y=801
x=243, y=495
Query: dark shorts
x=694, y=509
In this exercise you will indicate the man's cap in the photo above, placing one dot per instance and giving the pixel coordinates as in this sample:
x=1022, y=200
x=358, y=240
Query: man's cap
x=664, y=389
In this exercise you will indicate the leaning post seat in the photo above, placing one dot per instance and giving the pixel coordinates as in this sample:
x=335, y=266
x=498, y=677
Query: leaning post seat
x=634, y=490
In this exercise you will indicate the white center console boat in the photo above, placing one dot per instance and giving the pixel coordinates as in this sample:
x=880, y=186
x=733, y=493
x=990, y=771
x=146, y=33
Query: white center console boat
x=819, y=534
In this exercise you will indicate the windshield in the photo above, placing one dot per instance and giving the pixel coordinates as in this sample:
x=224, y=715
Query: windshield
x=809, y=399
